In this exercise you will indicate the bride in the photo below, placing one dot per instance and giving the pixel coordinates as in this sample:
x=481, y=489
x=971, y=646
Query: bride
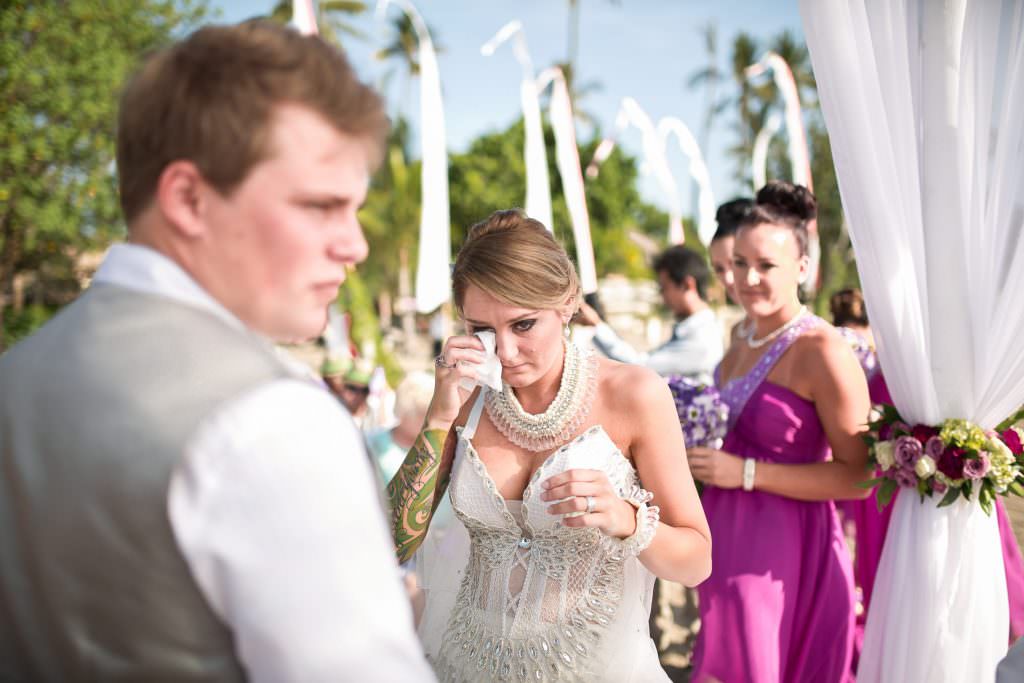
x=562, y=543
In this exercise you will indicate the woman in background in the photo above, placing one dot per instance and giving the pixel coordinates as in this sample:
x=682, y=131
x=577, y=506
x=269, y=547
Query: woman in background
x=779, y=604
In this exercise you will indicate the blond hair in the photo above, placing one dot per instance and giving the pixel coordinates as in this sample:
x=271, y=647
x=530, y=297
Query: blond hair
x=413, y=394
x=210, y=98
x=515, y=259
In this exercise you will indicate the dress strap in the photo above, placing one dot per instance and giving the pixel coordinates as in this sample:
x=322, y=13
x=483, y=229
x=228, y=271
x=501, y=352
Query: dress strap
x=737, y=391
x=474, y=415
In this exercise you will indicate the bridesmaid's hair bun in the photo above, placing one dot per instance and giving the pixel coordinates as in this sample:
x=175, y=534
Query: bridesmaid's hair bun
x=795, y=200
x=730, y=215
x=786, y=205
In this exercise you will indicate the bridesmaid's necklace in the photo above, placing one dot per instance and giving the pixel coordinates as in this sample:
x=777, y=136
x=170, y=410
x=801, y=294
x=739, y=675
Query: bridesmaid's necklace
x=561, y=420
x=758, y=343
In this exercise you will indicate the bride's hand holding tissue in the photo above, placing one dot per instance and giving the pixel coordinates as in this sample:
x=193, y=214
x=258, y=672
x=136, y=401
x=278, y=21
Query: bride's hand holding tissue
x=467, y=361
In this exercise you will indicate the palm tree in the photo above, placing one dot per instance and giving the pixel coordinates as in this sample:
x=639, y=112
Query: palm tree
x=709, y=76
x=754, y=102
x=577, y=90
x=403, y=48
x=331, y=18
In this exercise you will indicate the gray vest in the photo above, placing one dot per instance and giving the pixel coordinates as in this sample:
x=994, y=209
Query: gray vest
x=95, y=410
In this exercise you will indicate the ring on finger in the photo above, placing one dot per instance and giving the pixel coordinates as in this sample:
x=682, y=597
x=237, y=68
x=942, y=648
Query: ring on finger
x=590, y=504
x=442, y=363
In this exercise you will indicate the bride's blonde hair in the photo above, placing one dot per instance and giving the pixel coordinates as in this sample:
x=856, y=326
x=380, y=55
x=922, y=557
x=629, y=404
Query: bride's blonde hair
x=515, y=259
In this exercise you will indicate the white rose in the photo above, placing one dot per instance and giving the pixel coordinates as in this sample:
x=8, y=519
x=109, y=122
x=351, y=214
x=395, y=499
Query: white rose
x=884, y=454
x=925, y=467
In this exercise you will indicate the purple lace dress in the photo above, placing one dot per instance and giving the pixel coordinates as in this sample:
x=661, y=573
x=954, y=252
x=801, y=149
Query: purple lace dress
x=779, y=604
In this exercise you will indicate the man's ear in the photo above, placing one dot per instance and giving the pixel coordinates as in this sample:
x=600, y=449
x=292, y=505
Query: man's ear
x=181, y=198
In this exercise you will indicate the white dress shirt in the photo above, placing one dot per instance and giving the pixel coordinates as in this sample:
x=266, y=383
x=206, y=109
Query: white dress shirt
x=693, y=350
x=275, y=508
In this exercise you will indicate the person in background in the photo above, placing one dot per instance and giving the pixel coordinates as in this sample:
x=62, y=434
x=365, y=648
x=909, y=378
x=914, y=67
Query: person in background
x=728, y=216
x=355, y=390
x=390, y=445
x=779, y=605
x=332, y=372
x=695, y=346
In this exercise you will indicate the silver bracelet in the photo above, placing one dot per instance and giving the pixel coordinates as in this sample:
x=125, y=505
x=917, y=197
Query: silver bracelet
x=749, y=466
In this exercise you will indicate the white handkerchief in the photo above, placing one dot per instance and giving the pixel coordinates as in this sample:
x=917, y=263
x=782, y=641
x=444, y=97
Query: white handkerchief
x=489, y=371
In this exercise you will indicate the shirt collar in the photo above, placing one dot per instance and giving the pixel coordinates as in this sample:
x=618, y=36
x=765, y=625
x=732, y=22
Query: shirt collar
x=698, y=319
x=146, y=270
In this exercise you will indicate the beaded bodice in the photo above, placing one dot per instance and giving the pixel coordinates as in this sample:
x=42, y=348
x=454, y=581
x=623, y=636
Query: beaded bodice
x=537, y=597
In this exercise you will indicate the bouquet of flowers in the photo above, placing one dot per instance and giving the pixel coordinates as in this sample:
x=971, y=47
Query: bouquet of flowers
x=954, y=459
x=702, y=412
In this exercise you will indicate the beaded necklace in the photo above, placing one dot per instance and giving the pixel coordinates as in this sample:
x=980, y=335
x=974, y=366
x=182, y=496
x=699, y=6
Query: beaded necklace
x=562, y=418
x=758, y=343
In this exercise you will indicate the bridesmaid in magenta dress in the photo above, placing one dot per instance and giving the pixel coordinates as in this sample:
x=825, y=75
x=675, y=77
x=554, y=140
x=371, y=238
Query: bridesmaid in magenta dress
x=779, y=604
x=848, y=311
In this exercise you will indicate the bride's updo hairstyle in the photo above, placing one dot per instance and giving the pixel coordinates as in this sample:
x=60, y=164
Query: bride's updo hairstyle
x=785, y=204
x=515, y=259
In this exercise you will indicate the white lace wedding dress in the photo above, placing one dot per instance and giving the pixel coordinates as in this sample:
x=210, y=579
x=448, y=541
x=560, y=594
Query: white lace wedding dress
x=511, y=595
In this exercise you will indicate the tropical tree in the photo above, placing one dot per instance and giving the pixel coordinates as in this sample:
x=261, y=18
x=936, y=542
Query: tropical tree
x=754, y=103
x=391, y=217
x=711, y=77
x=61, y=66
x=491, y=175
x=402, y=49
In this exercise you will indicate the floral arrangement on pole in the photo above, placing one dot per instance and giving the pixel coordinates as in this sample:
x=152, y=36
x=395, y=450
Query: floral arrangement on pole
x=703, y=414
x=956, y=458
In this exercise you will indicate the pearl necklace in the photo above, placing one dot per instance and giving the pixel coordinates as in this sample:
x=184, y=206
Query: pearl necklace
x=758, y=343
x=562, y=418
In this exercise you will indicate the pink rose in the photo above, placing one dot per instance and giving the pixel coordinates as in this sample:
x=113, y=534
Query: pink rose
x=1012, y=440
x=976, y=468
x=906, y=478
x=907, y=451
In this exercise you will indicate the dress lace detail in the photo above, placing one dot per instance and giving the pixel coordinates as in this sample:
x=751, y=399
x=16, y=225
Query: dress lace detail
x=537, y=597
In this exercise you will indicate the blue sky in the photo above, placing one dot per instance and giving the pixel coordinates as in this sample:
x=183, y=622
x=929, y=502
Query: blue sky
x=646, y=49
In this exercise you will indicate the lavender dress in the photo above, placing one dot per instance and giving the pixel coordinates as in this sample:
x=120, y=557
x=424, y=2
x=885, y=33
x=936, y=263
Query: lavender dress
x=779, y=604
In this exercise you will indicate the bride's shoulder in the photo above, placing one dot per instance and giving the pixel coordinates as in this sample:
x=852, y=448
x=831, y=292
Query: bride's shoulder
x=626, y=386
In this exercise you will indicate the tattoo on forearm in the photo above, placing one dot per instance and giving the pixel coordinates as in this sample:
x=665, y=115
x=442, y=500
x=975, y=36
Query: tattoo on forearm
x=416, y=490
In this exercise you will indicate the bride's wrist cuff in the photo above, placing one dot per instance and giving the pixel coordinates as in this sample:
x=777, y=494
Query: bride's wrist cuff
x=647, y=519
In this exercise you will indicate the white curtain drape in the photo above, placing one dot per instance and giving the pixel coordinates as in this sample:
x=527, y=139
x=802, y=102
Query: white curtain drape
x=924, y=103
